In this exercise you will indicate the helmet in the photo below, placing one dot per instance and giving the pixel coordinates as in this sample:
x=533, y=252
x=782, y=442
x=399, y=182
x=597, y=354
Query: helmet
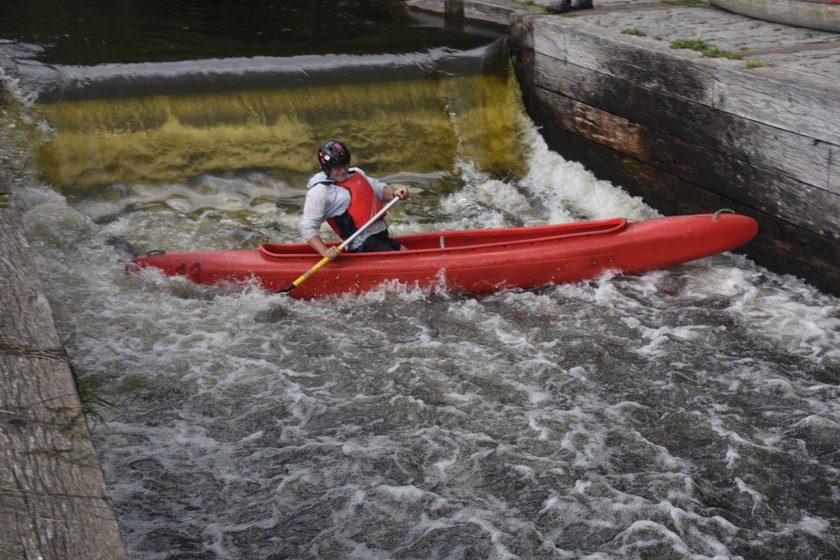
x=331, y=154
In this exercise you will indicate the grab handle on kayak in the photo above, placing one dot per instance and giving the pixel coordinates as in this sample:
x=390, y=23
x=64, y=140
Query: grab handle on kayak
x=305, y=276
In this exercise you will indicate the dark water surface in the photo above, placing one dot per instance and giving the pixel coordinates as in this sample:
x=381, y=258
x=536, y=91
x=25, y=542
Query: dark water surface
x=88, y=32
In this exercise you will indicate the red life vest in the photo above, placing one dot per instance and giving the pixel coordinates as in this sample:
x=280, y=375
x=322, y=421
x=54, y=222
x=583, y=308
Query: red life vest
x=364, y=204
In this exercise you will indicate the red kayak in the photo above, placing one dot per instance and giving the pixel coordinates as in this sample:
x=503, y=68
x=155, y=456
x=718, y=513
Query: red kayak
x=473, y=260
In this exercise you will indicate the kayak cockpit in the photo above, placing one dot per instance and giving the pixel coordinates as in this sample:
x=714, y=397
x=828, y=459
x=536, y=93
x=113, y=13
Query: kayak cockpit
x=473, y=239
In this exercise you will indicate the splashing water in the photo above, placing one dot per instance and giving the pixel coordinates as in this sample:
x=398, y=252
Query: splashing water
x=684, y=413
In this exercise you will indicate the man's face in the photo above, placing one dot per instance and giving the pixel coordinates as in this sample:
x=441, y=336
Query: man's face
x=340, y=172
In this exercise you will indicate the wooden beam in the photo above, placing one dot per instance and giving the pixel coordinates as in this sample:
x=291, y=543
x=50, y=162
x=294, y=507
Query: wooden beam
x=53, y=502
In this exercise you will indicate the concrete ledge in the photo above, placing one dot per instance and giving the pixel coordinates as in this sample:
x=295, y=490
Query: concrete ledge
x=53, y=501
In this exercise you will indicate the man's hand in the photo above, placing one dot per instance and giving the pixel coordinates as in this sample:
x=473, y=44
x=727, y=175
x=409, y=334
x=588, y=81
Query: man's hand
x=399, y=192
x=330, y=252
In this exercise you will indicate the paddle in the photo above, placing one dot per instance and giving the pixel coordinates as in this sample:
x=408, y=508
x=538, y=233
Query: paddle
x=341, y=247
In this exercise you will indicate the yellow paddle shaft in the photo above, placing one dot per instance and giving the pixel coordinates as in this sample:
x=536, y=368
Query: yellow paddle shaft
x=305, y=276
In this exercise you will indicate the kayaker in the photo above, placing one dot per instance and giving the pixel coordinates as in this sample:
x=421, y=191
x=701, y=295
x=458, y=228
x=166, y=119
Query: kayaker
x=347, y=199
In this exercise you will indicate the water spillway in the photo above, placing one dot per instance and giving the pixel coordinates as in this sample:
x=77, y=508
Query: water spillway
x=165, y=122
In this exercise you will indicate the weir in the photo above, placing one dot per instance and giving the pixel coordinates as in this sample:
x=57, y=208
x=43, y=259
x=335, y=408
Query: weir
x=161, y=123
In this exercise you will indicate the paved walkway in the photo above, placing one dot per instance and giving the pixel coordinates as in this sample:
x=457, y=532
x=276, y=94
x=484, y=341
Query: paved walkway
x=810, y=51
x=794, y=48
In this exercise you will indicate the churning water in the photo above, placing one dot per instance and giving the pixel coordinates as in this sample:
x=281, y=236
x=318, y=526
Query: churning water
x=685, y=413
x=692, y=412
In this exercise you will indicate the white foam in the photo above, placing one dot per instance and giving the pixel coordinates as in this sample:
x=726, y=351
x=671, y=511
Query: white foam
x=582, y=420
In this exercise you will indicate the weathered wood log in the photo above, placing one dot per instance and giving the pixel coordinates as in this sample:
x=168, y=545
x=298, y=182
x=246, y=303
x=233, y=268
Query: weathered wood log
x=688, y=133
x=779, y=245
x=796, y=155
x=816, y=14
x=53, y=502
x=805, y=105
x=753, y=185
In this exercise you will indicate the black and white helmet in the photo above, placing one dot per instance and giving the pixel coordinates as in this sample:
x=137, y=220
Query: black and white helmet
x=333, y=153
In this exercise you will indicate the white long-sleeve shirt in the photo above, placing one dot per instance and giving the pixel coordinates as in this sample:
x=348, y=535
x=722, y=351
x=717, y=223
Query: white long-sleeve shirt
x=325, y=199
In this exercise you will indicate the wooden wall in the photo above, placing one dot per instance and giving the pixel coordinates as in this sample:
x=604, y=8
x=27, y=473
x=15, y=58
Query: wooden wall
x=53, y=501
x=694, y=134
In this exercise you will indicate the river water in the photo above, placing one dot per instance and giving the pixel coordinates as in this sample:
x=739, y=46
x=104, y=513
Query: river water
x=684, y=413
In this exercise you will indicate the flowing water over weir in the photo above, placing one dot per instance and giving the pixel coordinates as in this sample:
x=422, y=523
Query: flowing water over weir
x=685, y=413
x=141, y=123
